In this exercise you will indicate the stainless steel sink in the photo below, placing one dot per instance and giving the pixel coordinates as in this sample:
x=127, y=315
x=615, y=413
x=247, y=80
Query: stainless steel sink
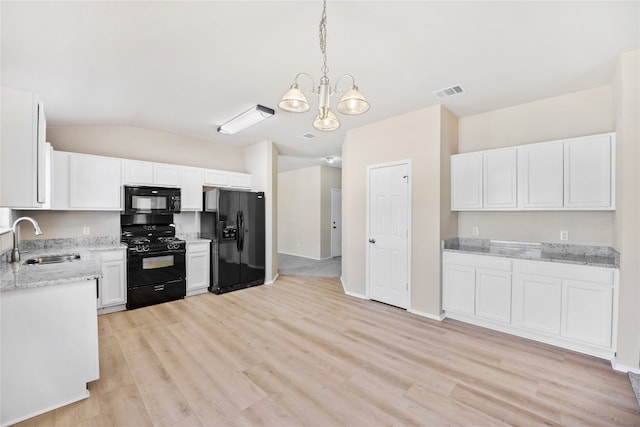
x=53, y=259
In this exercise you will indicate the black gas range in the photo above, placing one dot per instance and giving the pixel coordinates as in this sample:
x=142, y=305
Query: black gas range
x=156, y=259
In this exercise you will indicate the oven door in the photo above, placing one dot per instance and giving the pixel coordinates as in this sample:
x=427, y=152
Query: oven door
x=148, y=268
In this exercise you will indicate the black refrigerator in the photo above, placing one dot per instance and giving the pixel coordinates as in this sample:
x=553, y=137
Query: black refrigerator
x=235, y=223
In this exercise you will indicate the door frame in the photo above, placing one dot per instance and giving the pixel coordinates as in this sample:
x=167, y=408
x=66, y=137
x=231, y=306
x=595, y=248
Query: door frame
x=406, y=162
x=333, y=191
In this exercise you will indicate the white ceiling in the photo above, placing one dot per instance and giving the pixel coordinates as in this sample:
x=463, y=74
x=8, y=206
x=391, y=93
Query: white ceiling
x=185, y=67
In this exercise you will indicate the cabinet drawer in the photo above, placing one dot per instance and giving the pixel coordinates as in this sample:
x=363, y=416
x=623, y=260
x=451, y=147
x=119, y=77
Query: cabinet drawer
x=584, y=273
x=194, y=247
x=115, y=255
x=480, y=261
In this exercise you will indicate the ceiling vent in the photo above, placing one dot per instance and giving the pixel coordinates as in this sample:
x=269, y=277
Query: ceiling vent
x=307, y=136
x=448, y=91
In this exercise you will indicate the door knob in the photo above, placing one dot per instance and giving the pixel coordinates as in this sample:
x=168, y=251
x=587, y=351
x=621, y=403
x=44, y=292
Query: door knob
x=372, y=240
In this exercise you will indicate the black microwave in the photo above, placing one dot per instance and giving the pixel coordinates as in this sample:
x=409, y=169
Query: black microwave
x=151, y=200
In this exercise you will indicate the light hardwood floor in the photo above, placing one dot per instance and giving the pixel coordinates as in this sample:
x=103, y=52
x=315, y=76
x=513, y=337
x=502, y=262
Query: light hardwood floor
x=300, y=352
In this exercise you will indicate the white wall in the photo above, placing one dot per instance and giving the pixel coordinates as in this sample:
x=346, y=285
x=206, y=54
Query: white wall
x=424, y=136
x=574, y=114
x=626, y=91
x=137, y=143
x=299, y=208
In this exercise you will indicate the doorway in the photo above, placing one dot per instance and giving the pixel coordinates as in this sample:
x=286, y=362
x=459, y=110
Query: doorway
x=336, y=222
x=388, y=225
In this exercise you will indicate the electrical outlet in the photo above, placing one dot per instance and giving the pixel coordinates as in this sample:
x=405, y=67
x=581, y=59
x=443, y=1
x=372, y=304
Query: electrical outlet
x=474, y=231
x=86, y=231
x=564, y=235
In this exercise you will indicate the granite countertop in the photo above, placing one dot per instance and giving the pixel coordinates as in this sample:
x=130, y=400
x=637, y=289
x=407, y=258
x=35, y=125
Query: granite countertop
x=192, y=237
x=16, y=276
x=598, y=256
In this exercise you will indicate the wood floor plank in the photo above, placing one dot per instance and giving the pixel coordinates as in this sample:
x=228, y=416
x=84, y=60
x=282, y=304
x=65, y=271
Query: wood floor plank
x=299, y=352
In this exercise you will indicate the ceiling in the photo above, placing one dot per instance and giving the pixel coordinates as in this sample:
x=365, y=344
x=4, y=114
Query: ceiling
x=185, y=67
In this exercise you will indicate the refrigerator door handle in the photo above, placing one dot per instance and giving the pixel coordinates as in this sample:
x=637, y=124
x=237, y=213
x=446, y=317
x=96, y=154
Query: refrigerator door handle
x=241, y=230
x=238, y=247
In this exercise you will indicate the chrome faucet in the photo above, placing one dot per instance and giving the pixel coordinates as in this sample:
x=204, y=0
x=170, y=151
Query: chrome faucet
x=15, y=254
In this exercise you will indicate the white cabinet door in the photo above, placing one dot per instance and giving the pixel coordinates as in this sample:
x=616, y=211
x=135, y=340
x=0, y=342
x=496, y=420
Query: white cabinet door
x=198, y=267
x=94, y=182
x=191, y=190
x=239, y=180
x=587, y=172
x=493, y=294
x=537, y=303
x=165, y=175
x=499, y=179
x=22, y=168
x=137, y=172
x=587, y=312
x=459, y=288
x=216, y=178
x=112, y=287
x=466, y=181
x=52, y=332
x=541, y=176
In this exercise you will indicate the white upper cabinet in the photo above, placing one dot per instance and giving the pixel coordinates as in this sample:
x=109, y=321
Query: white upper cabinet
x=22, y=145
x=166, y=175
x=239, y=180
x=499, y=179
x=94, y=182
x=191, y=189
x=85, y=182
x=138, y=172
x=466, y=181
x=573, y=174
x=216, y=178
x=540, y=168
x=588, y=173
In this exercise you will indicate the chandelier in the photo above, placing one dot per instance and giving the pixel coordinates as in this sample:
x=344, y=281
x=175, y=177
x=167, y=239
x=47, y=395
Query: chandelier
x=352, y=103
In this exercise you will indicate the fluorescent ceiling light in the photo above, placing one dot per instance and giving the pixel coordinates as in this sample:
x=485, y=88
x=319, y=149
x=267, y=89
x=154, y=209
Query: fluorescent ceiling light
x=245, y=119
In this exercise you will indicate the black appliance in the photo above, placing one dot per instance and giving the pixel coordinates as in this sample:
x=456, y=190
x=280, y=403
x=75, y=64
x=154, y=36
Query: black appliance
x=156, y=260
x=235, y=223
x=151, y=200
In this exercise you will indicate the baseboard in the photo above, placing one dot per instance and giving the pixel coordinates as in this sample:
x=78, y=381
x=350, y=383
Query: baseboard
x=427, y=315
x=304, y=256
x=624, y=368
x=272, y=281
x=351, y=294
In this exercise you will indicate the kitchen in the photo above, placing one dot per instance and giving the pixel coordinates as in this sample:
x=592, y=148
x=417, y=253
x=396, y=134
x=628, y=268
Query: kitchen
x=559, y=115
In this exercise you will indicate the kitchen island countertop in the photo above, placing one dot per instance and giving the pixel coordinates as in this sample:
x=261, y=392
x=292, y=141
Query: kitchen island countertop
x=17, y=276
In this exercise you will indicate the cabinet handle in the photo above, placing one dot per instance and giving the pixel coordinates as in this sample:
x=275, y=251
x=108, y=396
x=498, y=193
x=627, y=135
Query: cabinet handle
x=372, y=240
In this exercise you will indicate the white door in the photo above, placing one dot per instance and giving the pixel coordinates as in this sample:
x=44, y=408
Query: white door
x=336, y=222
x=388, y=259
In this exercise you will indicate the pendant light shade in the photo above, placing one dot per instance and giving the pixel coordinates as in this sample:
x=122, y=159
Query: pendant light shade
x=294, y=100
x=353, y=103
x=326, y=121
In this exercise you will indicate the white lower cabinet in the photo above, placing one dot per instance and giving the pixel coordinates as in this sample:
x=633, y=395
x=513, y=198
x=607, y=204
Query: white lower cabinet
x=568, y=305
x=537, y=303
x=493, y=294
x=49, y=340
x=198, y=267
x=112, y=286
x=477, y=285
